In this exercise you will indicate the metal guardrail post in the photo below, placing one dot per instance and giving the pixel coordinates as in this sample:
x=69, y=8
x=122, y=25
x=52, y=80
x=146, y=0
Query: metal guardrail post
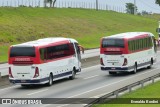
x=152, y=78
x=129, y=88
x=142, y=84
x=116, y=93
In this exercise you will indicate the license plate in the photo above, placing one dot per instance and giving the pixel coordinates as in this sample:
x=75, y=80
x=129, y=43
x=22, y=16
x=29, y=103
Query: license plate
x=113, y=68
x=23, y=80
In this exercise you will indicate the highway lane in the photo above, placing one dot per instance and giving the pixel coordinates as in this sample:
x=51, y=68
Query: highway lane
x=81, y=87
x=92, y=82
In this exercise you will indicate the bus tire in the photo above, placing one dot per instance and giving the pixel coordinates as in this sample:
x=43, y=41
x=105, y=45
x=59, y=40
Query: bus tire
x=50, y=80
x=112, y=73
x=73, y=74
x=151, y=63
x=135, y=69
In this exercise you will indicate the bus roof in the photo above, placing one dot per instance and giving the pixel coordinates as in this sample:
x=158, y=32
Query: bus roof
x=45, y=41
x=129, y=35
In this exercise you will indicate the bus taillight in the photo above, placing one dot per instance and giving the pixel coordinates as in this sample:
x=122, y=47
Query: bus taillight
x=125, y=62
x=10, y=73
x=101, y=61
x=36, y=72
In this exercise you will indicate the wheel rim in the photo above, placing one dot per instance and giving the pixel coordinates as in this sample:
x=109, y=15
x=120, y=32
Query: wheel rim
x=135, y=69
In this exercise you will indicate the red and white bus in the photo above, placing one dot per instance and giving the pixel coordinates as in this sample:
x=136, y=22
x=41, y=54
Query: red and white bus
x=127, y=52
x=44, y=61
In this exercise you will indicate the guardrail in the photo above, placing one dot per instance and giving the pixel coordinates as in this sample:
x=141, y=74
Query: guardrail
x=117, y=92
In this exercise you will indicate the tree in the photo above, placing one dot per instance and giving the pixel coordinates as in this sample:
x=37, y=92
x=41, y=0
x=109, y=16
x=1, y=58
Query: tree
x=130, y=8
x=54, y=2
x=157, y=2
x=51, y=2
x=145, y=12
x=45, y=3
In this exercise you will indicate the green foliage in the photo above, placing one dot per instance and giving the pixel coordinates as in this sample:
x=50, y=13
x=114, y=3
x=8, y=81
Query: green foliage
x=23, y=24
x=130, y=8
x=157, y=2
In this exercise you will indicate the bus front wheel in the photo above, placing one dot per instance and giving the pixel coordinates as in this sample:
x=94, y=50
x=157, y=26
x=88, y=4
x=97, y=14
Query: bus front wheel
x=151, y=63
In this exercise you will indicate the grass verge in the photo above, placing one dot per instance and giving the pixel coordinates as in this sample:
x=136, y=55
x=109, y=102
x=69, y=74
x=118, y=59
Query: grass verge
x=23, y=24
x=150, y=91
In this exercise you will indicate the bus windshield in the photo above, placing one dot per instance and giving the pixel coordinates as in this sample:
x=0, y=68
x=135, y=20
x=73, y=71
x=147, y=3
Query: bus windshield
x=112, y=43
x=22, y=51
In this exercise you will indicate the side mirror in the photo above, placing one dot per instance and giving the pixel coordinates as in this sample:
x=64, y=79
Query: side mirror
x=81, y=48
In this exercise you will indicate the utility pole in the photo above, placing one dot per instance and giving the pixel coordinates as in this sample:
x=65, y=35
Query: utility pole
x=97, y=5
x=135, y=7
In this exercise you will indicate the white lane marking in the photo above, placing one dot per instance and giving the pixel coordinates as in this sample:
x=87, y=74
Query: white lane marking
x=46, y=105
x=91, y=77
x=63, y=105
x=7, y=88
x=84, y=70
x=112, y=83
x=37, y=92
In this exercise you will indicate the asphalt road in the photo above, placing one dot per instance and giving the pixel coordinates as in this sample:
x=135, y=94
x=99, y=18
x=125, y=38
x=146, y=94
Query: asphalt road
x=90, y=83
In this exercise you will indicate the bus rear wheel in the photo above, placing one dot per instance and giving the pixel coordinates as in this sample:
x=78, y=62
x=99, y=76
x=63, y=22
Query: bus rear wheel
x=135, y=69
x=73, y=74
x=50, y=80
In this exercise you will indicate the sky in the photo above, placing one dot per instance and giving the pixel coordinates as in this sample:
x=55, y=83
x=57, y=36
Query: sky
x=147, y=5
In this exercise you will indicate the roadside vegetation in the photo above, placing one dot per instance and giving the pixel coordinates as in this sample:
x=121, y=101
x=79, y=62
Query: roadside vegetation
x=23, y=24
x=150, y=91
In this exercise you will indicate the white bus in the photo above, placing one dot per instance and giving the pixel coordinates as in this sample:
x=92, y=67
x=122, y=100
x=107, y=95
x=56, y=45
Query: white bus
x=127, y=52
x=44, y=61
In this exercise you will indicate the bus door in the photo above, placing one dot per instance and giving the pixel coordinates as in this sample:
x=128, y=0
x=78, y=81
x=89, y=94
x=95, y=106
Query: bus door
x=78, y=48
x=154, y=44
x=78, y=54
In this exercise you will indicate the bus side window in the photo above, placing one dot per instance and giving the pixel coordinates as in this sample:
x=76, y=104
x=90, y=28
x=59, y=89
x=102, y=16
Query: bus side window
x=42, y=53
